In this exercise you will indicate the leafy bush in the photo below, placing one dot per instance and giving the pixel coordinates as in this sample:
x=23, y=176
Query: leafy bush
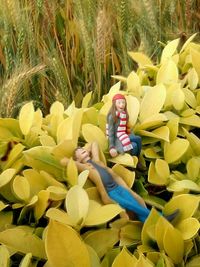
x=53, y=216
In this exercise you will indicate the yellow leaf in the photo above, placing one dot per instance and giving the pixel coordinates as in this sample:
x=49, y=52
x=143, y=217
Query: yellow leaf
x=42, y=204
x=4, y=256
x=173, y=244
x=64, y=149
x=102, y=240
x=193, y=79
x=77, y=204
x=37, y=119
x=193, y=120
x=26, y=261
x=113, y=90
x=133, y=84
x=6, y=176
x=133, y=107
x=193, y=140
x=15, y=154
x=98, y=214
x=196, y=60
x=21, y=188
x=71, y=109
x=152, y=121
x=82, y=178
x=173, y=124
x=193, y=168
x=92, y=133
x=64, y=246
x=168, y=73
x=151, y=153
x=22, y=240
x=59, y=216
x=159, y=133
x=162, y=168
x=47, y=140
x=191, y=203
x=187, y=42
x=57, y=108
x=94, y=259
x=175, y=150
x=178, y=99
x=125, y=159
x=36, y=181
x=127, y=175
x=179, y=186
x=86, y=99
x=72, y=172
x=125, y=259
x=56, y=192
x=188, y=228
x=26, y=116
x=190, y=98
x=160, y=229
x=140, y=58
x=154, y=177
x=152, y=102
x=90, y=115
x=169, y=50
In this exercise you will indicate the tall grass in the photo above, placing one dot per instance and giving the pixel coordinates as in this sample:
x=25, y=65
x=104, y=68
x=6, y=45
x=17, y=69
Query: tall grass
x=81, y=43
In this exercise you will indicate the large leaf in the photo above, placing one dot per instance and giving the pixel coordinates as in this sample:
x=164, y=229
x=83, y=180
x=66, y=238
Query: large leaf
x=72, y=172
x=169, y=50
x=152, y=102
x=191, y=203
x=41, y=158
x=21, y=188
x=168, y=73
x=179, y=186
x=188, y=228
x=15, y=154
x=42, y=204
x=133, y=107
x=127, y=175
x=22, y=240
x=26, y=117
x=59, y=216
x=173, y=244
x=4, y=256
x=125, y=259
x=77, y=204
x=133, y=84
x=175, y=150
x=125, y=159
x=92, y=133
x=140, y=58
x=86, y=99
x=196, y=60
x=6, y=176
x=98, y=214
x=102, y=240
x=64, y=246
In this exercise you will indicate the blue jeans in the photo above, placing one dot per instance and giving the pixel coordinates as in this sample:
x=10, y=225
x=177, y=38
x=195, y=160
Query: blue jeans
x=127, y=201
x=136, y=142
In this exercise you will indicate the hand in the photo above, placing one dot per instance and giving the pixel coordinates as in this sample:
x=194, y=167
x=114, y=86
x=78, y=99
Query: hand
x=113, y=152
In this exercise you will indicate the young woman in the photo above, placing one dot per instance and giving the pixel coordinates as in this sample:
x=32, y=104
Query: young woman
x=120, y=138
x=110, y=186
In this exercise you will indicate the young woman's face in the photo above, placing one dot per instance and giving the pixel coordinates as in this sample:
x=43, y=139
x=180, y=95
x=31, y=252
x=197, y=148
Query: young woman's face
x=82, y=155
x=120, y=104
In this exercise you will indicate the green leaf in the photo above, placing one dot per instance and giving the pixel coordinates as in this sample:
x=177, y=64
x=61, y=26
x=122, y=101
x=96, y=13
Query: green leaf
x=64, y=246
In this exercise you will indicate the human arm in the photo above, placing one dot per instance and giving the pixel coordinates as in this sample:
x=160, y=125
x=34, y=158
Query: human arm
x=111, y=136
